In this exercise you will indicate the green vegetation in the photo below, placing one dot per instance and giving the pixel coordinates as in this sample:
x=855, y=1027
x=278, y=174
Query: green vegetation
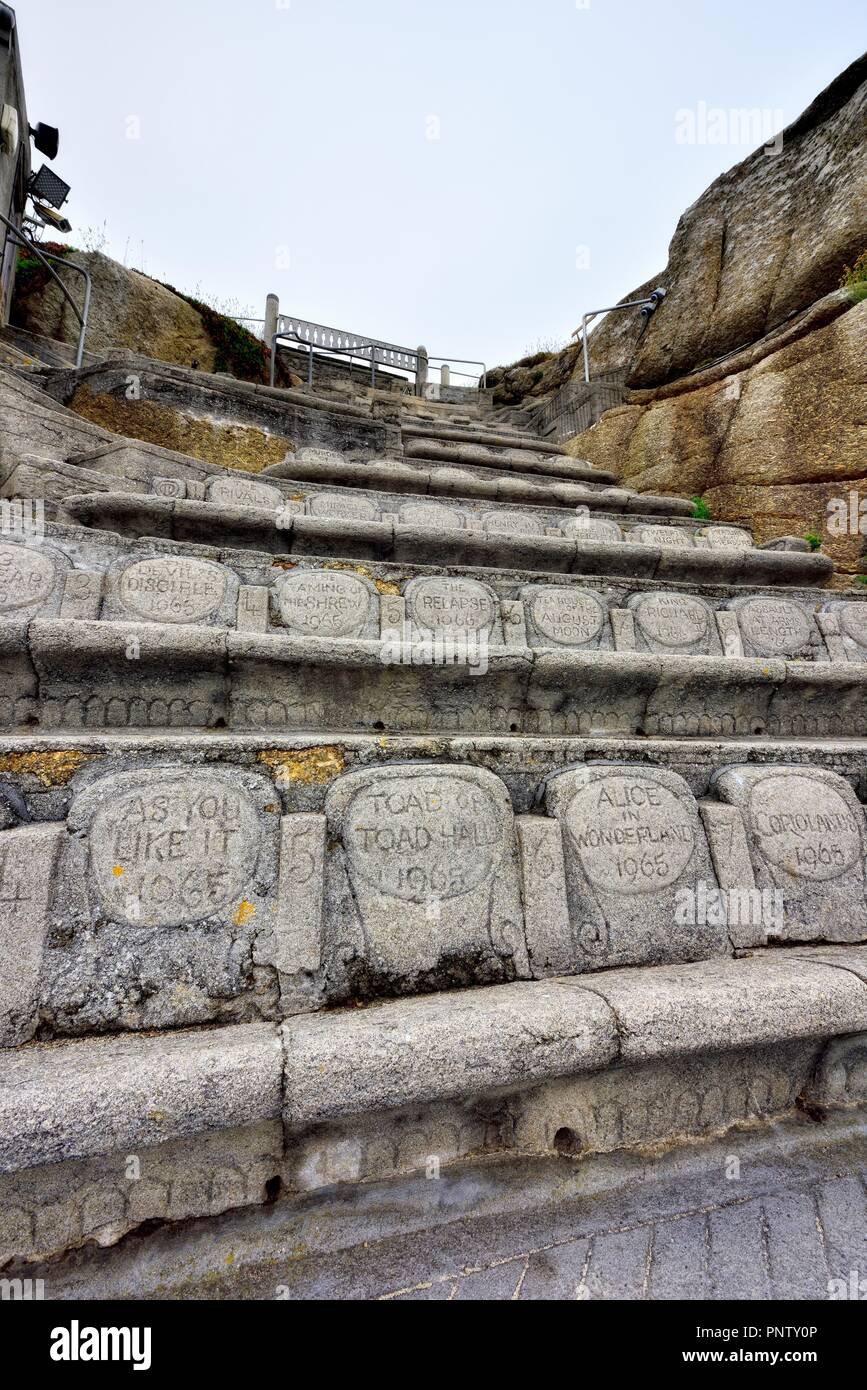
x=813, y=539
x=700, y=509
x=31, y=277
x=238, y=352
x=855, y=279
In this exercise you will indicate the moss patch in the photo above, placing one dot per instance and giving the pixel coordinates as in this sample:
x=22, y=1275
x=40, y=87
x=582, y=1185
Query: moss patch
x=231, y=446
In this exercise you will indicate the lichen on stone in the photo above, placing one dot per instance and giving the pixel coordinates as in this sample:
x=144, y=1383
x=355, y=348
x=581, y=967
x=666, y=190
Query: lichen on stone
x=311, y=766
x=53, y=767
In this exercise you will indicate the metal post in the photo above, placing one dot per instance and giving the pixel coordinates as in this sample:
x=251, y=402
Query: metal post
x=584, y=322
x=272, y=311
x=420, y=370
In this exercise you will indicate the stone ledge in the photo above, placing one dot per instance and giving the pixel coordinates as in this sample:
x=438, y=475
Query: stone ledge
x=251, y=527
x=406, y=475
x=61, y=1101
x=150, y=675
x=490, y=438
x=70, y=1100
x=425, y=1050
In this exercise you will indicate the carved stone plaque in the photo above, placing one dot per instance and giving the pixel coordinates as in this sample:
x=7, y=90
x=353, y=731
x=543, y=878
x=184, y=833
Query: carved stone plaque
x=565, y=617
x=431, y=858
x=432, y=514
x=635, y=853
x=171, y=589
x=673, y=622
x=31, y=580
x=327, y=603
x=452, y=604
x=775, y=627
x=592, y=528
x=340, y=505
x=235, y=490
x=505, y=522
x=670, y=536
x=174, y=846
x=727, y=538
x=806, y=833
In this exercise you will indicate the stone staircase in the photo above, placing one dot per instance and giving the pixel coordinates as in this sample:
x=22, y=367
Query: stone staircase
x=406, y=830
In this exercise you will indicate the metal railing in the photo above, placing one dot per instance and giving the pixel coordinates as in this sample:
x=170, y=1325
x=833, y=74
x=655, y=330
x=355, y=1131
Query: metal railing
x=647, y=307
x=318, y=338
x=480, y=380
x=337, y=340
x=20, y=238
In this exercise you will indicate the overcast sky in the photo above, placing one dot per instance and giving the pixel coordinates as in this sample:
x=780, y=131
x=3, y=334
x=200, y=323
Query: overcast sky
x=470, y=174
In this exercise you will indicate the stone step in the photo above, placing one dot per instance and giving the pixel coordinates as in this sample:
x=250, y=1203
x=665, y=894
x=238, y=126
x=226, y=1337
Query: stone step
x=496, y=439
x=361, y=502
x=553, y=465
x=470, y=481
x=222, y=1118
x=288, y=533
x=162, y=870
x=88, y=550
x=63, y=674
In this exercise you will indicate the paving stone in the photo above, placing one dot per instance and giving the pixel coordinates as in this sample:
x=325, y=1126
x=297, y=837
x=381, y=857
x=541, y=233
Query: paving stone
x=796, y=1256
x=556, y=1273
x=679, y=1259
x=738, y=1258
x=618, y=1265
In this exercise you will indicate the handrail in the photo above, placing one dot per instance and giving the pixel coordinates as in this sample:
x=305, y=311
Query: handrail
x=358, y=347
x=647, y=306
x=20, y=238
x=344, y=352
x=468, y=362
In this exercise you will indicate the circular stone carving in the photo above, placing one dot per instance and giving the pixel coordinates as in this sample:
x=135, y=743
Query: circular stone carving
x=804, y=826
x=443, y=604
x=593, y=529
x=775, y=625
x=430, y=514
x=672, y=620
x=566, y=617
x=632, y=835
x=853, y=620
x=334, y=504
x=174, y=851
x=171, y=589
x=508, y=523
x=244, y=492
x=26, y=577
x=418, y=838
x=323, y=603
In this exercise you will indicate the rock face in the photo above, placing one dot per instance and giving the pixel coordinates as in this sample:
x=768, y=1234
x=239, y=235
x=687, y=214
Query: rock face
x=128, y=310
x=747, y=386
x=769, y=446
x=767, y=239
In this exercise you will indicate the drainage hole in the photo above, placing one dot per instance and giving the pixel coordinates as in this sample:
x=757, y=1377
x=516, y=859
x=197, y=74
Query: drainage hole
x=566, y=1142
